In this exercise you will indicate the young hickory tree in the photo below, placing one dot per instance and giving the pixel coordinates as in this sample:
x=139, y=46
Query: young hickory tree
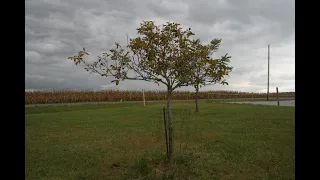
x=159, y=54
x=205, y=69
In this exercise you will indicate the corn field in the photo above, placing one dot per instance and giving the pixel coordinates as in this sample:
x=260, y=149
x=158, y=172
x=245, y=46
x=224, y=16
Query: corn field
x=48, y=97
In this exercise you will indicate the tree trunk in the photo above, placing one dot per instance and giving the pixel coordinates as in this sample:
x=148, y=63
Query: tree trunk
x=170, y=126
x=196, y=99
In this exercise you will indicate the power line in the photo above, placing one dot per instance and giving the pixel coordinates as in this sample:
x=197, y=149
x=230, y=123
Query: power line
x=259, y=56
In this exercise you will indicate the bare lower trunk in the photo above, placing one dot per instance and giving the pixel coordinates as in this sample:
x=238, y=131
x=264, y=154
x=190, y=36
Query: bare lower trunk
x=196, y=99
x=170, y=126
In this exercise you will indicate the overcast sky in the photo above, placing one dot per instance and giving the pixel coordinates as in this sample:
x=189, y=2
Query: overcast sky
x=56, y=29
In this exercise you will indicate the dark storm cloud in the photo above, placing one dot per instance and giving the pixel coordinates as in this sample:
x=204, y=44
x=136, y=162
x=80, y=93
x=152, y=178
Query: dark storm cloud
x=248, y=20
x=56, y=29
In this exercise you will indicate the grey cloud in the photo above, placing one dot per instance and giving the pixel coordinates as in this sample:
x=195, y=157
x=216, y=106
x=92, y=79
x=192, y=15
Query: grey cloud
x=262, y=79
x=61, y=77
x=258, y=79
x=241, y=70
x=248, y=19
x=58, y=29
x=48, y=83
x=168, y=8
x=33, y=56
x=287, y=77
x=35, y=9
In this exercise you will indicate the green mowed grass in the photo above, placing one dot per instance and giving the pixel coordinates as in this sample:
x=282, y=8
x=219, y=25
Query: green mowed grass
x=126, y=141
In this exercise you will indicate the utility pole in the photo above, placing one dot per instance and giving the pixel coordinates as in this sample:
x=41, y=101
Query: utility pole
x=268, y=71
x=127, y=39
x=143, y=97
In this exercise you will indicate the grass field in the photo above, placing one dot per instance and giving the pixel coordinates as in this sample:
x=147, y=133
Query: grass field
x=125, y=141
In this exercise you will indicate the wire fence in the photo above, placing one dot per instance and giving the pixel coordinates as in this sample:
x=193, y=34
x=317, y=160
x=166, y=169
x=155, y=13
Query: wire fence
x=184, y=130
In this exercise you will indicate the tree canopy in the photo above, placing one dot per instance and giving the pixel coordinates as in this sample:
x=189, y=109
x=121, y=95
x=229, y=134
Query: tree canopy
x=157, y=55
x=206, y=69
